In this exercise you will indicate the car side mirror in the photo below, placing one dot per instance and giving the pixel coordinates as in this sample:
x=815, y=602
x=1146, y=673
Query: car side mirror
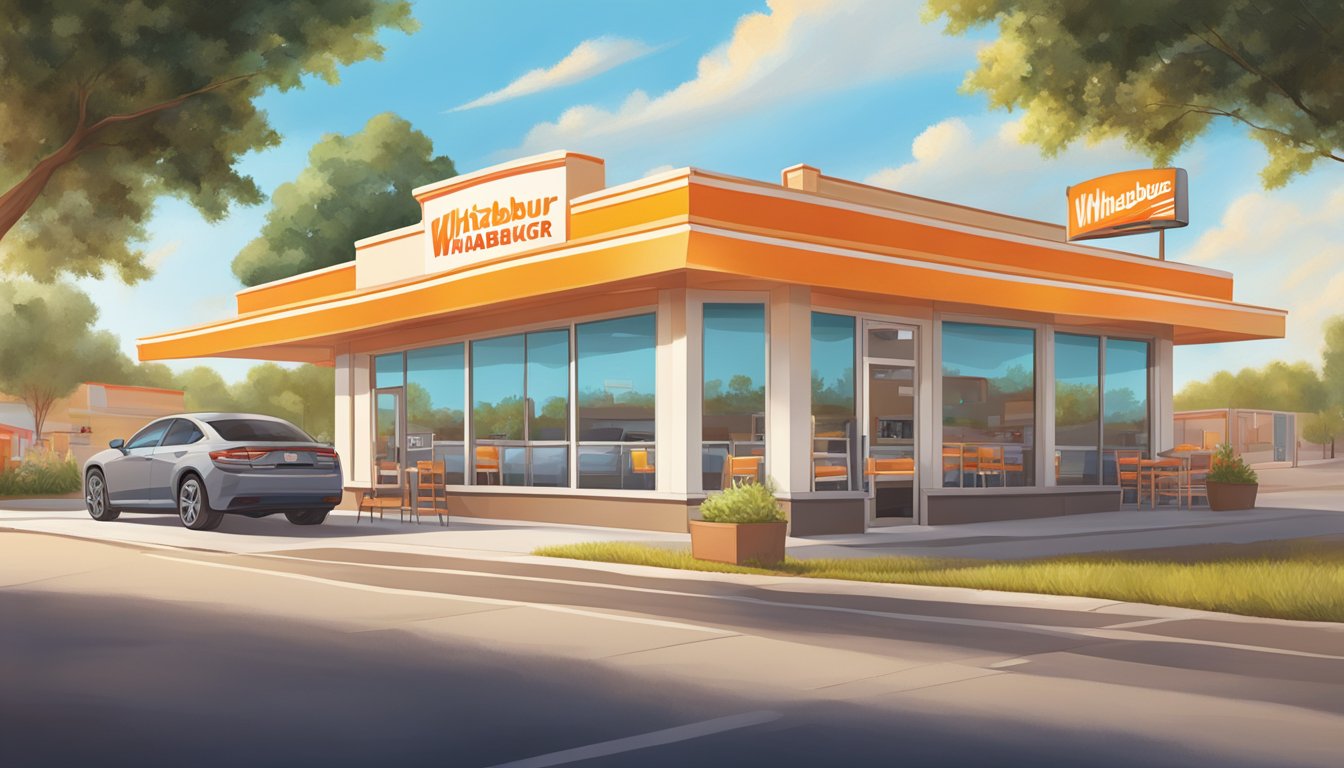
x=119, y=445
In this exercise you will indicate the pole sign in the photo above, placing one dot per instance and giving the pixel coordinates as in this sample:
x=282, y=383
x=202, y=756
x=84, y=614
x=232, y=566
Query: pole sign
x=1128, y=203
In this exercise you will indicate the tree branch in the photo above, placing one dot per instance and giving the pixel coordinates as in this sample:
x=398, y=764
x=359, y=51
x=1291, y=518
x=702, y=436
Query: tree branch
x=1227, y=50
x=1216, y=112
x=127, y=117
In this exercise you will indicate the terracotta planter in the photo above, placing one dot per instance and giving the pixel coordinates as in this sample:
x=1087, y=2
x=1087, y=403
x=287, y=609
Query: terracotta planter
x=738, y=543
x=1225, y=497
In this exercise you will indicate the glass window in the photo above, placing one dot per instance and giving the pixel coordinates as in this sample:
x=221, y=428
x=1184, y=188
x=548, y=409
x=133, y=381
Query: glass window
x=435, y=408
x=548, y=407
x=149, y=436
x=387, y=371
x=733, y=418
x=264, y=430
x=1126, y=400
x=616, y=385
x=989, y=405
x=520, y=393
x=834, y=437
x=1077, y=409
x=183, y=432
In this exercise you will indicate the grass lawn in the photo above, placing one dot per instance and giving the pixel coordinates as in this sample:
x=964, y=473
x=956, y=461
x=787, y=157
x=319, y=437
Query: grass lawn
x=1292, y=579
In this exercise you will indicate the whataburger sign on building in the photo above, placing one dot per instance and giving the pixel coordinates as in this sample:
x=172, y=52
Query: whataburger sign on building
x=1128, y=203
x=495, y=218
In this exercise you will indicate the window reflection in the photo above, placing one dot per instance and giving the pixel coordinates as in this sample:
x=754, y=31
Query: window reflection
x=733, y=425
x=1077, y=409
x=435, y=403
x=616, y=379
x=989, y=405
x=1126, y=418
x=834, y=433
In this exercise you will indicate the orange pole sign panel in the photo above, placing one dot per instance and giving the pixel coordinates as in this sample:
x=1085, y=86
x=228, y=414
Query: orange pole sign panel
x=1128, y=203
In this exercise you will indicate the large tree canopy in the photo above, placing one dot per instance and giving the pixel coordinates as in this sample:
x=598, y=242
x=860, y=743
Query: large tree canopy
x=354, y=186
x=1158, y=73
x=108, y=106
x=48, y=345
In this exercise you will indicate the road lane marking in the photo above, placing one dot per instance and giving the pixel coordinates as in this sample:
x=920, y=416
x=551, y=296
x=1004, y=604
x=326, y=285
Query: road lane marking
x=646, y=740
x=461, y=598
x=1101, y=633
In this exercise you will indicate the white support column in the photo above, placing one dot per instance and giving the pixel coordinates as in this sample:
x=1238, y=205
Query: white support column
x=361, y=417
x=1164, y=413
x=676, y=404
x=1045, y=404
x=788, y=412
x=343, y=425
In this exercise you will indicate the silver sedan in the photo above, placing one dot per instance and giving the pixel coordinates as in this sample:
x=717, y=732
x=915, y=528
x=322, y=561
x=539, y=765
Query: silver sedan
x=204, y=465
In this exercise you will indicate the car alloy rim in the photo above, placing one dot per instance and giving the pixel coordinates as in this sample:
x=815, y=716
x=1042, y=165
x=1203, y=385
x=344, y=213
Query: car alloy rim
x=94, y=498
x=189, y=502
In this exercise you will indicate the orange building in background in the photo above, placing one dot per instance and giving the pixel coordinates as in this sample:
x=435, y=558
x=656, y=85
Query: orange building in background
x=95, y=413
x=581, y=353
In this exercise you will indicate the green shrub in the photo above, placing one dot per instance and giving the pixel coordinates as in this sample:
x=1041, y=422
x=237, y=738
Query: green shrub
x=744, y=503
x=42, y=473
x=1230, y=468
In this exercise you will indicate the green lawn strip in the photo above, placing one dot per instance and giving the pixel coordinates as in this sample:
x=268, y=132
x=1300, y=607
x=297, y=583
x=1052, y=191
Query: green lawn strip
x=1288, y=580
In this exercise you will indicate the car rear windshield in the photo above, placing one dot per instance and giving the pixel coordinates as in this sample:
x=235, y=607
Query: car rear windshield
x=259, y=430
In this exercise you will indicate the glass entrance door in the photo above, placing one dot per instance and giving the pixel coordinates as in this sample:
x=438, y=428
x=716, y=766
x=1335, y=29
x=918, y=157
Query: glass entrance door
x=890, y=456
x=389, y=436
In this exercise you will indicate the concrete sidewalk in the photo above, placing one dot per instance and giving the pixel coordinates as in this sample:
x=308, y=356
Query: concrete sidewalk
x=1284, y=515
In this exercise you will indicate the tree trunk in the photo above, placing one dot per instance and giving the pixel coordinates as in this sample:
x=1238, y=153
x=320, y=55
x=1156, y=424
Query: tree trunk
x=40, y=405
x=20, y=197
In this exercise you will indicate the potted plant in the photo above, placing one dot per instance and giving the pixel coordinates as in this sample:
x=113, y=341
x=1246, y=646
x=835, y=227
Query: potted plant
x=744, y=524
x=1231, y=484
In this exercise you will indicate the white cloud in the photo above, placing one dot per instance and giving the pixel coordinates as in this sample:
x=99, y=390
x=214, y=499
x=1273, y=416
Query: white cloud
x=155, y=258
x=588, y=59
x=996, y=171
x=1286, y=250
x=654, y=171
x=798, y=48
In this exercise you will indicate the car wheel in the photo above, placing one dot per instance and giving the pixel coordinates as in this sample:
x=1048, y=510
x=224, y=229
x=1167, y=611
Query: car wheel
x=307, y=516
x=95, y=497
x=193, y=506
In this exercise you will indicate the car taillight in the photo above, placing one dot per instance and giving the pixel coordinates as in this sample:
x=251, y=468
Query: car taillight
x=238, y=455
x=326, y=453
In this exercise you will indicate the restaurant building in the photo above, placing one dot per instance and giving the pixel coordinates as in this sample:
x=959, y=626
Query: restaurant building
x=581, y=353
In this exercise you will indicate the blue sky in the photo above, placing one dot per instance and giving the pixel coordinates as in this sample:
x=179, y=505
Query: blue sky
x=863, y=89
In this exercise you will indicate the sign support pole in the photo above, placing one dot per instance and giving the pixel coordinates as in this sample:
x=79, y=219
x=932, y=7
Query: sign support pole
x=1162, y=244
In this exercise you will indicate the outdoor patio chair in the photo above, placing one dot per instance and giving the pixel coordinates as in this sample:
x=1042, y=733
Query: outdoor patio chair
x=430, y=486
x=381, y=498
x=487, y=463
x=745, y=468
x=1127, y=473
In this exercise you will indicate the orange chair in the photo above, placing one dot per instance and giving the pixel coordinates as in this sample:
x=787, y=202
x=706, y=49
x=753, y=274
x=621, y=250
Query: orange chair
x=639, y=462
x=1186, y=447
x=487, y=462
x=902, y=467
x=430, y=486
x=746, y=468
x=954, y=460
x=989, y=461
x=380, y=499
x=1127, y=472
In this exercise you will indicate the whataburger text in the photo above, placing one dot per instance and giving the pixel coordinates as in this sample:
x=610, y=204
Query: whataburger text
x=1096, y=205
x=462, y=230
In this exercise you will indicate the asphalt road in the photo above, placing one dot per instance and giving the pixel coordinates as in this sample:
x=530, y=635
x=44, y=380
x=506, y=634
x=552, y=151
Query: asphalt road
x=118, y=654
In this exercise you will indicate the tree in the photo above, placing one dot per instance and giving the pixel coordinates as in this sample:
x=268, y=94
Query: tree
x=1159, y=75
x=305, y=395
x=1324, y=428
x=1332, y=360
x=108, y=106
x=354, y=186
x=49, y=346
x=1277, y=386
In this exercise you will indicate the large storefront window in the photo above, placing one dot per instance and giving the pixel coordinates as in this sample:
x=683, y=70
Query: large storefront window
x=520, y=412
x=616, y=385
x=834, y=424
x=989, y=405
x=733, y=425
x=1126, y=418
x=1077, y=409
x=435, y=409
x=1101, y=407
